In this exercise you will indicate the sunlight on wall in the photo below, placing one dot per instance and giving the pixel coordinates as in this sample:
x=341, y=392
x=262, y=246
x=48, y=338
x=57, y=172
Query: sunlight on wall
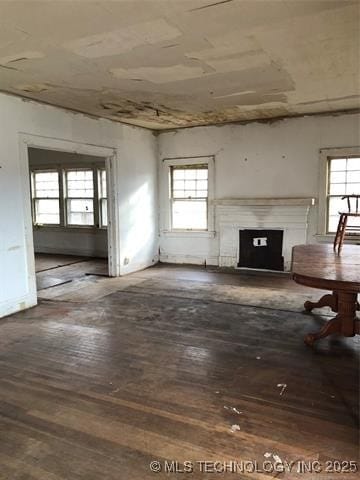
x=140, y=222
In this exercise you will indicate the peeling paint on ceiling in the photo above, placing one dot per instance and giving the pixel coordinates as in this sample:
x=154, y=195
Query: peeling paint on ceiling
x=176, y=63
x=123, y=40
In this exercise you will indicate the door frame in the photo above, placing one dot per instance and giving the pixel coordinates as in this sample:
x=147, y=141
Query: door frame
x=68, y=146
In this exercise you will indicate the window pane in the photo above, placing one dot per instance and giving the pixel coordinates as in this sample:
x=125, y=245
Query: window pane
x=353, y=164
x=46, y=184
x=189, y=214
x=201, y=194
x=190, y=193
x=178, y=174
x=190, y=184
x=190, y=174
x=202, y=174
x=179, y=193
x=353, y=222
x=337, y=189
x=80, y=175
x=80, y=183
x=337, y=205
x=201, y=184
x=47, y=212
x=353, y=189
x=333, y=223
x=337, y=164
x=179, y=184
x=103, y=206
x=337, y=177
x=80, y=212
x=353, y=176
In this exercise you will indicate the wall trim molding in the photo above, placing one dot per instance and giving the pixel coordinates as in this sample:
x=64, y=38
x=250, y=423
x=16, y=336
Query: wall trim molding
x=189, y=259
x=264, y=201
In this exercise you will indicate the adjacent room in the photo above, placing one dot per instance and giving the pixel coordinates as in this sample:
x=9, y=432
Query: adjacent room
x=179, y=239
x=69, y=212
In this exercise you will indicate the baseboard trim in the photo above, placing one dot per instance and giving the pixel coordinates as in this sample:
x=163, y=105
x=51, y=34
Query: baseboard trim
x=189, y=259
x=136, y=267
x=17, y=305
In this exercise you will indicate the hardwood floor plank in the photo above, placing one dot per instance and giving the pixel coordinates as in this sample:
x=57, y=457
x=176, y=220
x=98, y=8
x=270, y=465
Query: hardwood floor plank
x=99, y=386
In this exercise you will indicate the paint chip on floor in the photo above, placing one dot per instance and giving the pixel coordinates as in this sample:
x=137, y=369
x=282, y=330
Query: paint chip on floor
x=282, y=386
x=235, y=428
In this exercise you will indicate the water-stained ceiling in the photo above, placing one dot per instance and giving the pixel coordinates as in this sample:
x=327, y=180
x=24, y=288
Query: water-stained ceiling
x=175, y=63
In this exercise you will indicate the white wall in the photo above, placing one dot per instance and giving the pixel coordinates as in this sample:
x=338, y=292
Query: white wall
x=68, y=241
x=135, y=171
x=278, y=159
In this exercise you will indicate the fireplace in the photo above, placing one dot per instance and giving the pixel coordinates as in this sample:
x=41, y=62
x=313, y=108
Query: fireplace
x=286, y=215
x=261, y=248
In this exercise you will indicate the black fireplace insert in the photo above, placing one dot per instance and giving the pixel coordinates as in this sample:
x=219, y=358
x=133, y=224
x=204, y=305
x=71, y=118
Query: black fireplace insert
x=261, y=249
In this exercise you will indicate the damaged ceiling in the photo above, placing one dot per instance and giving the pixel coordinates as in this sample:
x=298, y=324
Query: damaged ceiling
x=176, y=63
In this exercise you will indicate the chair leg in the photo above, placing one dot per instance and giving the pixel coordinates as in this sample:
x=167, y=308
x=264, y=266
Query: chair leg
x=337, y=238
x=342, y=233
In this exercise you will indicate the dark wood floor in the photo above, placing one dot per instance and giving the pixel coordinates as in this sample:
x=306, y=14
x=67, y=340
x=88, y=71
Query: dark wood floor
x=104, y=377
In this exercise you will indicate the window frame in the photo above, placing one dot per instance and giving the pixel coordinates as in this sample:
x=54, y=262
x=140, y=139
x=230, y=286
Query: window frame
x=193, y=166
x=62, y=169
x=329, y=196
x=34, y=197
x=326, y=155
x=101, y=198
x=166, y=202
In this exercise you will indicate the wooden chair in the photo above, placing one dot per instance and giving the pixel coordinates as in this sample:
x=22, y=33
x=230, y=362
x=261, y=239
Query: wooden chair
x=353, y=203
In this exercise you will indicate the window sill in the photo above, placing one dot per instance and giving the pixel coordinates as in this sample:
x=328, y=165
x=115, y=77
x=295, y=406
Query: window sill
x=188, y=233
x=329, y=238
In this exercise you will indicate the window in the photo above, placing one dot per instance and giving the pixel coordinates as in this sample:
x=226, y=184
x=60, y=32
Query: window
x=75, y=197
x=46, y=198
x=80, y=197
x=103, y=198
x=343, y=179
x=189, y=197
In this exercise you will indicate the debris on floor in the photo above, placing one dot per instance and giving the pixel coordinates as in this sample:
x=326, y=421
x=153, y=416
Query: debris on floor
x=233, y=409
x=274, y=456
x=235, y=428
x=258, y=358
x=282, y=386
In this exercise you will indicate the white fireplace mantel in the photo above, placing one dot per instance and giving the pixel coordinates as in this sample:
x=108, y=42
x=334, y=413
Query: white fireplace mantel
x=270, y=201
x=235, y=214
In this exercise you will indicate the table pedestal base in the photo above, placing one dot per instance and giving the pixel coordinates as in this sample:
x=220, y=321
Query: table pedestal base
x=345, y=322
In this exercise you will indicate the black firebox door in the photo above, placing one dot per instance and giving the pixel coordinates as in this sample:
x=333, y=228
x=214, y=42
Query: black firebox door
x=261, y=249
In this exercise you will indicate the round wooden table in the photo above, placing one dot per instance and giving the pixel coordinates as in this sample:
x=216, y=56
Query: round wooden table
x=320, y=267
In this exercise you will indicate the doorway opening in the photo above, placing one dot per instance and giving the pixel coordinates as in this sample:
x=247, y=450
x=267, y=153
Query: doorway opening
x=70, y=223
x=69, y=216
